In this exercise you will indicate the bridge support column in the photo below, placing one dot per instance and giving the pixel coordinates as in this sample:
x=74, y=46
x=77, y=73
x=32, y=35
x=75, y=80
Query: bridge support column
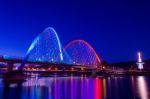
x=10, y=66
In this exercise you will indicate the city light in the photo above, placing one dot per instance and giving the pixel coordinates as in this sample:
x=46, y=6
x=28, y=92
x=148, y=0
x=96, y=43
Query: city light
x=139, y=62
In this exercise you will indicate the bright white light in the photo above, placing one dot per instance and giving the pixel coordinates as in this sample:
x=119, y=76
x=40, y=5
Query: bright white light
x=140, y=63
x=140, y=66
x=139, y=57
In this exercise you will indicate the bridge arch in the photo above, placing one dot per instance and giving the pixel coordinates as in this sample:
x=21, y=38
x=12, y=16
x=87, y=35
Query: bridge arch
x=86, y=55
x=46, y=47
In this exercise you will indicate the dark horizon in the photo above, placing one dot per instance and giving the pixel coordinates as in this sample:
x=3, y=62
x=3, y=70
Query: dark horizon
x=117, y=30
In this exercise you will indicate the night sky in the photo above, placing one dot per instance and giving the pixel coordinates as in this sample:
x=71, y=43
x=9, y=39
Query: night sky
x=116, y=29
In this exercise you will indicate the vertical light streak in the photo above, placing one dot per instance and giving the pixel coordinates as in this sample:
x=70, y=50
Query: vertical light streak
x=104, y=88
x=140, y=63
x=98, y=89
x=142, y=88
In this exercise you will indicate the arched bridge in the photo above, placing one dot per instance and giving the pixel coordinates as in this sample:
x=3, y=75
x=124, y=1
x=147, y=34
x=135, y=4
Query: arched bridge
x=46, y=51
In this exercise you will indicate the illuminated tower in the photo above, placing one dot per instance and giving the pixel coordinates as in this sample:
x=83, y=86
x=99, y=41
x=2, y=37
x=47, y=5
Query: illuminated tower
x=140, y=62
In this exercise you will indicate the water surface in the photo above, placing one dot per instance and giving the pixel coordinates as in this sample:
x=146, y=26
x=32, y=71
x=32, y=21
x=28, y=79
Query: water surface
x=71, y=87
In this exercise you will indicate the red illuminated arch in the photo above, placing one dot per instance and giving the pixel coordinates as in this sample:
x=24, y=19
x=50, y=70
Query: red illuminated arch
x=87, y=44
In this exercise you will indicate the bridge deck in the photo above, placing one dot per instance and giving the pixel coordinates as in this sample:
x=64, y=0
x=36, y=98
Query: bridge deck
x=32, y=63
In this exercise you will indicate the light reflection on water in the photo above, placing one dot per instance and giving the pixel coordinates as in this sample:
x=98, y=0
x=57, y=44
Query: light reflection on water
x=142, y=88
x=78, y=88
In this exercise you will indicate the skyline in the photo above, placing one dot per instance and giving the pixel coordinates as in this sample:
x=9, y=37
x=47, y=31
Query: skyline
x=117, y=31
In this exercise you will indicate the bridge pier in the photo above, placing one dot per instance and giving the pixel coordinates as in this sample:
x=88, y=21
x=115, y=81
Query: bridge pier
x=10, y=66
x=13, y=76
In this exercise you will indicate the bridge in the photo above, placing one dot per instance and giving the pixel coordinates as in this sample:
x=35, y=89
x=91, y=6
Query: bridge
x=46, y=53
x=41, y=66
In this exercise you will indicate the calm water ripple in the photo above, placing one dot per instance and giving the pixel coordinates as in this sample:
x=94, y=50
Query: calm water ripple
x=78, y=88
